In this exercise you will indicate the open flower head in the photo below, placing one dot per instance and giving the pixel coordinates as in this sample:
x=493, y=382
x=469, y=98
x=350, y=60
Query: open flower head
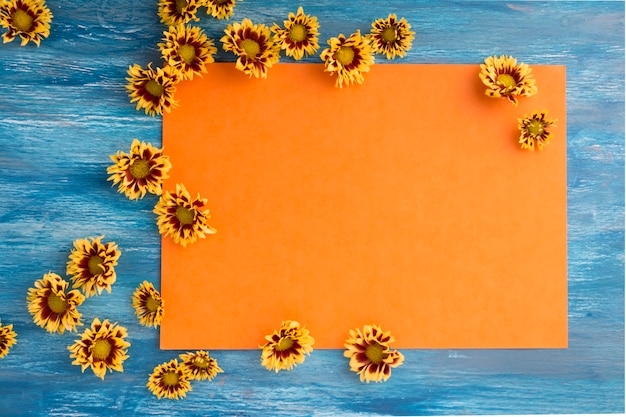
x=181, y=217
x=7, y=339
x=187, y=50
x=102, y=348
x=220, y=9
x=91, y=265
x=174, y=12
x=299, y=36
x=286, y=347
x=28, y=19
x=152, y=89
x=370, y=354
x=535, y=129
x=52, y=306
x=141, y=171
x=391, y=37
x=504, y=77
x=348, y=58
x=148, y=305
x=255, y=46
x=200, y=365
x=170, y=380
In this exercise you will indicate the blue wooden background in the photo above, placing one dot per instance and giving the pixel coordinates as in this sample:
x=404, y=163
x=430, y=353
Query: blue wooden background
x=64, y=109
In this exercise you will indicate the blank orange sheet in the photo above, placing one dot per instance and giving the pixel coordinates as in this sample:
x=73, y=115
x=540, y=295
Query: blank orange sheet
x=405, y=202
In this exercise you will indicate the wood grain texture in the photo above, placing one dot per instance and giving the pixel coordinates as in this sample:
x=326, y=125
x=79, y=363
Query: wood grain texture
x=63, y=110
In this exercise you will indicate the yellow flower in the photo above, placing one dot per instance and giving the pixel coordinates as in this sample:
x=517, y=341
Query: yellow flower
x=300, y=35
x=174, y=12
x=200, y=365
x=187, y=50
x=220, y=9
x=504, y=77
x=102, y=347
x=7, y=339
x=391, y=37
x=370, y=354
x=141, y=171
x=348, y=58
x=182, y=217
x=148, y=304
x=255, y=46
x=92, y=265
x=28, y=19
x=170, y=380
x=535, y=129
x=152, y=89
x=286, y=347
x=52, y=306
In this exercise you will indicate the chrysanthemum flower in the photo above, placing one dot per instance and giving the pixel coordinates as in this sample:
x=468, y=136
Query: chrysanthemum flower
x=200, y=365
x=370, y=354
x=140, y=172
x=286, y=347
x=148, y=304
x=220, y=9
x=92, y=265
x=182, y=217
x=348, y=58
x=102, y=347
x=170, y=380
x=504, y=77
x=187, y=50
x=535, y=129
x=255, y=46
x=7, y=339
x=152, y=89
x=391, y=37
x=299, y=36
x=28, y=19
x=52, y=306
x=174, y=12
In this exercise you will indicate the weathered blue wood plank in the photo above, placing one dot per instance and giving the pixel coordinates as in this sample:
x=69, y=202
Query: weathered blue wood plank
x=64, y=110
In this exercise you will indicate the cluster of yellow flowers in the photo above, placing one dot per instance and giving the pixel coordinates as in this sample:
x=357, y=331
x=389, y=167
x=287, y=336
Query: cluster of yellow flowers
x=369, y=350
x=54, y=307
x=143, y=170
x=186, y=50
x=173, y=379
x=28, y=19
x=505, y=78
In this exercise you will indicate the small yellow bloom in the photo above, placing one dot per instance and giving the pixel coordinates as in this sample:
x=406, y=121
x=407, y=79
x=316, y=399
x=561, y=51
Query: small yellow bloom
x=52, y=306
x=170, y=380
x=152, y=89
x=140, y=172
x=91, y=265
x=348, y=58
x=187, y=50
x=181, y=217
x=7, y=339
x=102, y=347
x=255, y=46
x=504, y=77
x=391, y=37
x=28, y=19
x=174, y=12
x=200, y=365
x=535, y=129
x=148, y=305
x=285, y=348
x=299, y=36
x=370, y=355
x=220, y=9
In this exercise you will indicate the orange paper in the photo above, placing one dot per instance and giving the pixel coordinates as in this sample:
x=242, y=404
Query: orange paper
x=405, y=202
